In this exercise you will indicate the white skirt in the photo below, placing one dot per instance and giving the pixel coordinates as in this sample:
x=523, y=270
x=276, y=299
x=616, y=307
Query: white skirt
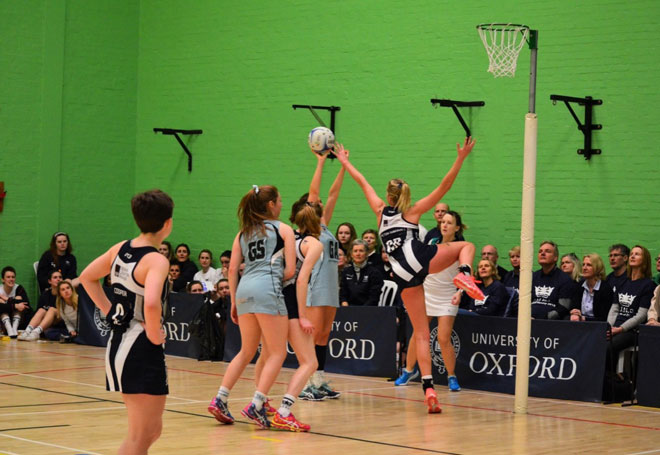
x=438, y=291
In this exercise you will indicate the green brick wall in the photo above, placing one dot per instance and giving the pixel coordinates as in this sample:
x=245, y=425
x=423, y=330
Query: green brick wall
x=68, y=115
x=234, y=70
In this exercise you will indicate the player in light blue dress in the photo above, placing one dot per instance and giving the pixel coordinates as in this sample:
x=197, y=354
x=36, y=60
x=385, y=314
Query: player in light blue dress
x=267, y=247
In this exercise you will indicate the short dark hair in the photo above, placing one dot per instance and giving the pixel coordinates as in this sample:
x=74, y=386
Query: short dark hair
x=551, y=243
x=226, y=254
x=182, y=245
x=621, y=247
x=151, y=209
x=9, y=268
x=205, y=251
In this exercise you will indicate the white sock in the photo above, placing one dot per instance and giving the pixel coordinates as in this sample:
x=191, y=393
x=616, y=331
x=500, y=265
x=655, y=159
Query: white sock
x=285, y=407
x=29, y=329
x=38, y=329
x=15, y=321
x=223, y=394
x=258, y=399
x=8, y=327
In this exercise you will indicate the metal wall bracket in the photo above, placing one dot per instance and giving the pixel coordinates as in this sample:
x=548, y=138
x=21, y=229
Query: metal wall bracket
x=587, y=127
x=455, y=105
x=175, y=133
x=332, y=109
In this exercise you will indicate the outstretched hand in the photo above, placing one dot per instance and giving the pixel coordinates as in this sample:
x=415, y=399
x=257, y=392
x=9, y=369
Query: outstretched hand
x=341, y=153
x=321, y=156
x=464, y=151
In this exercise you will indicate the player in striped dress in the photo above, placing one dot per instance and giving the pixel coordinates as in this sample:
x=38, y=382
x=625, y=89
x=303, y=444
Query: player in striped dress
x=135, y=361
x=411, y=259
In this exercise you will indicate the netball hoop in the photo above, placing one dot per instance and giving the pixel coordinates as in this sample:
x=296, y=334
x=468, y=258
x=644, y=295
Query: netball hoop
x=503, y=43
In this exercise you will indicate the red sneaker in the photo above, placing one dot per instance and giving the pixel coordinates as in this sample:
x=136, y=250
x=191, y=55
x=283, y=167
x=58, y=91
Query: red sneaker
x=270, y=411
x=288, y=423
x=469, y=285
x=431, y=401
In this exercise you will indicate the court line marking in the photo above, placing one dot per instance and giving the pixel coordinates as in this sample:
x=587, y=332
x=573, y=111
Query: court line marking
x=47, y=404
x=642, y=453
x=73, y=382
x=6, y=452
x=33, y=428
x=87, y=452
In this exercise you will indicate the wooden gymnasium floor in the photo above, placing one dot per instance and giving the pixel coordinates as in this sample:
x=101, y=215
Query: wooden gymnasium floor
x=54, y=402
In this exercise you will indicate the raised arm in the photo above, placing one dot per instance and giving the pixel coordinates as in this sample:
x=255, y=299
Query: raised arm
x=89, y=278
x=333, y=195
x=315, y=185
x=374, y=201
x=427, y=203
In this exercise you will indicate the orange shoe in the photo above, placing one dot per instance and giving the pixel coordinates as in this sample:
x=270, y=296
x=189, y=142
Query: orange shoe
x=289, y=423
x=469, y=285
x=431, y=401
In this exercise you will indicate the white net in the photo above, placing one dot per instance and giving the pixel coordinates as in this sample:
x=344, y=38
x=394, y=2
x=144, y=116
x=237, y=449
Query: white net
x=503, y=43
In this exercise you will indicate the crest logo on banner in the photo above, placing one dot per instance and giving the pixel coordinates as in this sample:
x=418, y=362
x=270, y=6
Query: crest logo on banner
x=101, y=324
x=436, y=354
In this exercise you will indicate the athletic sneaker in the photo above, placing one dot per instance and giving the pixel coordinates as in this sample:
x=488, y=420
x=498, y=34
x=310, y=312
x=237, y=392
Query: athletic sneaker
x=469, y=285
x=311, y=393
x=23, y=336
x=431, y=401
x=288, y=423
x=407, y=376
x=270, y=411
x=453, y=383
x=257, y=416
x=220, y=411
x=33, y=336
x=328, y=391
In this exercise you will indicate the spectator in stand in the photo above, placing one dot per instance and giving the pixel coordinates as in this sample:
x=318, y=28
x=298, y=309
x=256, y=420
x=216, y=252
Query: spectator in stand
x=440, y=209
x=361, y=282
x=14, y=302
x=341, y=265
x=225, y=258
x=654, y=310
x=187, y=267
x=345, y=235
x=632, y=300
x=619, y=254
x=512, y=279
x=551, y=288
x=173, y=276
x=165, y=249
x=65, y=327
x=373, y=251
x=195, y=287
x=490, y=252
x=594, y=296
x=656, y=278
x=570, y=265
x=208, y=276
x=58, y=257
x=46, y=310
x=496, y=295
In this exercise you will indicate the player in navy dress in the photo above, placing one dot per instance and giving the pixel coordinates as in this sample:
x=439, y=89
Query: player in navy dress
x=135, y=362
x=411, y=259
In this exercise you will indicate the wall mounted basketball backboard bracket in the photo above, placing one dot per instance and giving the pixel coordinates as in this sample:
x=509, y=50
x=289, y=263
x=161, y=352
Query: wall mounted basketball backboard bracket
x=455, y=105
x=312, y=109
x=175, y=133
x=588, y=126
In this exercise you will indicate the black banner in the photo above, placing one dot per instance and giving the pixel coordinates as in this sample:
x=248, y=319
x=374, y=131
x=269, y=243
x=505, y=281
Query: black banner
x=93, y=330
x=567, y=359
x=648, y=370
x=180, y=311
x=362, y=342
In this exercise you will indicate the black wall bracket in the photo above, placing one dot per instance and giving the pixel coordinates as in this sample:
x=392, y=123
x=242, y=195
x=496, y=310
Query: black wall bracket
x=588, y=126
x=312, y=109
x=455, y=105
x=175, y=133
